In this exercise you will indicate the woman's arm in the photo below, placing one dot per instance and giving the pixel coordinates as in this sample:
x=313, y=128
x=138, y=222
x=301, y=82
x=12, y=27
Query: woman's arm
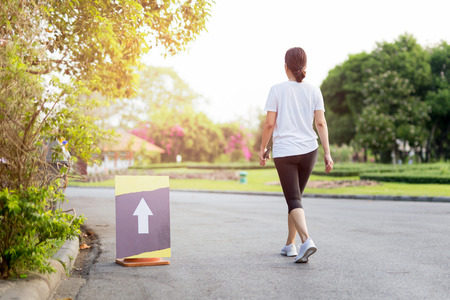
x=322, y=129
x=269, y=125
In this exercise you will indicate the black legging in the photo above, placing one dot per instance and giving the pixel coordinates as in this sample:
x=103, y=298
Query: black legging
x=294, y=172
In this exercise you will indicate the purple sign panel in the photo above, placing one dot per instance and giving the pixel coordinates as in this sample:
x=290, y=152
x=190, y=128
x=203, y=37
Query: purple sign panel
x=142, y=222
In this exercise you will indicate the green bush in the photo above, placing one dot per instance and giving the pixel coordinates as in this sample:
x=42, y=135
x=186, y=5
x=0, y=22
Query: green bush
x=205, y=165
x=27, y=226
x=335, y=173
x=341, y=154
x=407, y=178
x=416, y=173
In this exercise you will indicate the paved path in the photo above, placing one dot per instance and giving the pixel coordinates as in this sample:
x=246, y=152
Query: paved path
x=227, y=247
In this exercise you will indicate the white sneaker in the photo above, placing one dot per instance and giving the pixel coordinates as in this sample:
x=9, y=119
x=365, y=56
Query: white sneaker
x=306, y=249
x=289, y=250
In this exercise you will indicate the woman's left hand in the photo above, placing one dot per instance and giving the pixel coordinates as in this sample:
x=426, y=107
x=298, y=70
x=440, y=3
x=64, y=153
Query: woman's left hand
x=328, y=163
x=262, y=160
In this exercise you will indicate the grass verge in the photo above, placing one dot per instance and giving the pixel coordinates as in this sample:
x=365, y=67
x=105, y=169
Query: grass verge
x=259, y=181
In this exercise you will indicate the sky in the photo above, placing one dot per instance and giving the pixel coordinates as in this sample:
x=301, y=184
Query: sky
x=241, y=55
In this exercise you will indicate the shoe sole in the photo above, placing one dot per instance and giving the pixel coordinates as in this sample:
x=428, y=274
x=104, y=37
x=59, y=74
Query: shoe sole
x=289, y=254
x=307, y=254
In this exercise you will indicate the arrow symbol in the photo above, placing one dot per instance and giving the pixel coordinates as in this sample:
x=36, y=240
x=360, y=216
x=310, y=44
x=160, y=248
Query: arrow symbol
x=142, y=212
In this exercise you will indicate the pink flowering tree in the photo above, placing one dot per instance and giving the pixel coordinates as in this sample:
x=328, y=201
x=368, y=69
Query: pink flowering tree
x=190, y=134
x=170, y=139
x=238, y=142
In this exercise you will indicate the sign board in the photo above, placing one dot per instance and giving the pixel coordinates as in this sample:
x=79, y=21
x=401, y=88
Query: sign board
x=142, y=218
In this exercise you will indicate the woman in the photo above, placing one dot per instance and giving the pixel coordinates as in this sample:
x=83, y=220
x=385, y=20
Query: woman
x=291, y=108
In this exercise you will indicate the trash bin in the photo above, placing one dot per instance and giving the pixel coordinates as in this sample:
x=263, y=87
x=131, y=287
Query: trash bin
x=243, y=177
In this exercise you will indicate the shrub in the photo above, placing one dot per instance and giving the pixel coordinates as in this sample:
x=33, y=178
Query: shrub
x=416, y=173
x=342, y=154
x=407, y=178
x=27, y=226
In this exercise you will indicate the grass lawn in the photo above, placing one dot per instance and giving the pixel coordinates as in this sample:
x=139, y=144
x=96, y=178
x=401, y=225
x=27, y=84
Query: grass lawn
x=258, y=179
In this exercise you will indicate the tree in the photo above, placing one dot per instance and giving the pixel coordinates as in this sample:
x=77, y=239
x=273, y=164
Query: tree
x=159, y=87
x=343, y=89
x=100, y=42
x=438, y=98
x=188, y=133
x=342, y=92
x=163, y=112
x=408, y=59
x=238, y=142
x=393, y=119
x=53, y=55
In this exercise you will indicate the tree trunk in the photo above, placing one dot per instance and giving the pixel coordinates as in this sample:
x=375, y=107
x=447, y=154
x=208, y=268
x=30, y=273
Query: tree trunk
x=444, y=140
x=386, y=157
x=429, y=141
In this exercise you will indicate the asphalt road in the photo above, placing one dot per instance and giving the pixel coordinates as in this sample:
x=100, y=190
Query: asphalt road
x=227, y=247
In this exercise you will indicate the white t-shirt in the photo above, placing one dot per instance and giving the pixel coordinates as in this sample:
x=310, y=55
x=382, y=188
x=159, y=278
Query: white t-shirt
x=295, y=103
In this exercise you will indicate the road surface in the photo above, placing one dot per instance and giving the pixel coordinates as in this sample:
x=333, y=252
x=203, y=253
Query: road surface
x=226, y=246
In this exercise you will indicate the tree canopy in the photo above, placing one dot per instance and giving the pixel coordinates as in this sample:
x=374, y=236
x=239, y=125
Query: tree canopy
x=392, y=119
x=438, y=99
x=55, y=54
x=369, y=94
x=99, y=42
x=164, y=112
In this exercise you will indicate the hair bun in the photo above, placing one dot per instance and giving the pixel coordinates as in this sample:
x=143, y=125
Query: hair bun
x=299, y=74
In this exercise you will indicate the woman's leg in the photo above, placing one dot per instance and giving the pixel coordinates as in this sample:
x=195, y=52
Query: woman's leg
x=292, y=231
x=298, y=219
x=297, y=223
x=294, y=172
x=288, y=175
x=305, y=168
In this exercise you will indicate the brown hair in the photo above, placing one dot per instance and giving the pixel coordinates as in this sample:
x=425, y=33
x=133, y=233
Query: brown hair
x=295, y=59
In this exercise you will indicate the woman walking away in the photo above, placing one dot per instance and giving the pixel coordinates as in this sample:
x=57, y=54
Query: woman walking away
x=291, y=107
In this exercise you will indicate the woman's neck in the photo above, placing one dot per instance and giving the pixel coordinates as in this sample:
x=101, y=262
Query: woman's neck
x=290, y=76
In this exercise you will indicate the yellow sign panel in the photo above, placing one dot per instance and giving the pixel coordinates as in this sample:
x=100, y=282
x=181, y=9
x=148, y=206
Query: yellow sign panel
x=133, y=184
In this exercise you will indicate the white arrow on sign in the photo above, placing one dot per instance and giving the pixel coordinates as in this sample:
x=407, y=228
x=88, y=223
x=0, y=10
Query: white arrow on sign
x=142, y=211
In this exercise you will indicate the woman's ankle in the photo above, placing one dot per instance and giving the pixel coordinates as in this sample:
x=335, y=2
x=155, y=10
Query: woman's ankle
x=304, y=238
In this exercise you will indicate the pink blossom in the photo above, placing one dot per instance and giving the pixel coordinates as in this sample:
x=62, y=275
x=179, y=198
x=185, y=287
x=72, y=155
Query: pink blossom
x=247, y=153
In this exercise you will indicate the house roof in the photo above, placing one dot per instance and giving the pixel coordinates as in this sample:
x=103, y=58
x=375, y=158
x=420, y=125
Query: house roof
x=129, y=142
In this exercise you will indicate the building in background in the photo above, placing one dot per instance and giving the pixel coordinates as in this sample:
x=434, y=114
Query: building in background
x=120, y=155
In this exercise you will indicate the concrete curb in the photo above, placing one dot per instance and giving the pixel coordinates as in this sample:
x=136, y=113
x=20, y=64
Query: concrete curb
x=67, y=254
x=42, y=286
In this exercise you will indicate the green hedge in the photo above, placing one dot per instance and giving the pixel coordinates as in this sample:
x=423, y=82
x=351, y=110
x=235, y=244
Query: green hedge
x=407, y=178
x=416, y=173
x=336, y=173
x=209, y=166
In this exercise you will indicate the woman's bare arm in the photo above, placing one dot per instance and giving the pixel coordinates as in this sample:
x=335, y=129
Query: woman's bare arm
x=269, y=125
x=322, y=129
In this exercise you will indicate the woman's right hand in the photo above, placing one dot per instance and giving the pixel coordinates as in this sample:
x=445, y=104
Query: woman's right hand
x=328, y=163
